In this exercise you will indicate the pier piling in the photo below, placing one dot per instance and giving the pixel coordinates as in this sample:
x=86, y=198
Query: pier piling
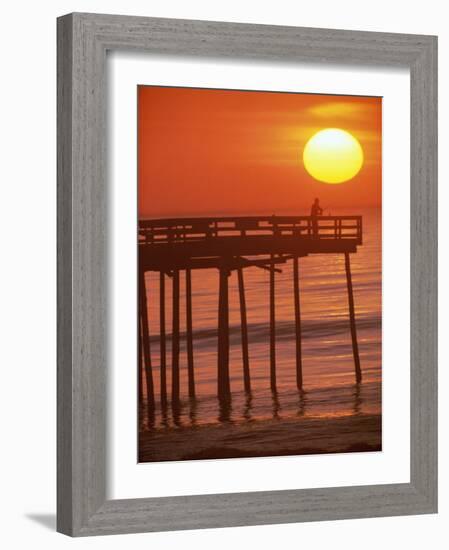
x=162, y=338
x=244, y=331
x=297, y=323
x=224, y=388
x=272, y=326
x=175, y=338
x=146, y=339
x=355, y=346
x=141, y=365
x=189, y=334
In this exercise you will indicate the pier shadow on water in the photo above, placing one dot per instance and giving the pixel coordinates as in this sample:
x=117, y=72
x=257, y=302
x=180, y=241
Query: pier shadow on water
x=259, y=405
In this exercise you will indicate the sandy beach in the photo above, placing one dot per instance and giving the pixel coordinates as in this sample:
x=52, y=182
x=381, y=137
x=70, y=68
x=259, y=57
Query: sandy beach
x=353, y=433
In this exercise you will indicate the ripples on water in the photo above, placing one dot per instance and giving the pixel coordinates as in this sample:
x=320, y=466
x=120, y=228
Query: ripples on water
x=328, y=368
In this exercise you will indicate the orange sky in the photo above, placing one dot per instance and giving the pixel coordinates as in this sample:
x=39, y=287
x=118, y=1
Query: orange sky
x=219, y=152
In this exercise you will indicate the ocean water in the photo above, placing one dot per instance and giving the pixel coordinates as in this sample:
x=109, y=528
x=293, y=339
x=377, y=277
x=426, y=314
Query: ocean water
x=328, y=365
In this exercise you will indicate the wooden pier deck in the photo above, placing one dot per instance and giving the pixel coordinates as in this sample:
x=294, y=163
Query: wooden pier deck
x=172, y=246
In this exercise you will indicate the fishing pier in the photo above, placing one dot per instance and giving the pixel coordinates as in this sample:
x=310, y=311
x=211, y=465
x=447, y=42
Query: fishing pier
x=175, y=247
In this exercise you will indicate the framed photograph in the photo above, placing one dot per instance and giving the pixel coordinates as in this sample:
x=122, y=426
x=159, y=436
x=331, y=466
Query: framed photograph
x=259, y=273
x=247, y=282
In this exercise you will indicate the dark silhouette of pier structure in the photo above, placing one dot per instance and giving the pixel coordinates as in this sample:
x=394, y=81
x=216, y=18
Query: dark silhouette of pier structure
x=231, y=244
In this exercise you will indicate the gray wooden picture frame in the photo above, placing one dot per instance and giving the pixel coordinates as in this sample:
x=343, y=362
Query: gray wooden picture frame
x=83, y=40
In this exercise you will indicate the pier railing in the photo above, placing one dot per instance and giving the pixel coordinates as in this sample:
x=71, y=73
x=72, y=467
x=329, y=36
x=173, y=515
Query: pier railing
x=304, y=227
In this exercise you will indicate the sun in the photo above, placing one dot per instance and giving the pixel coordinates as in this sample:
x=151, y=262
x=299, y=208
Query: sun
x=333, y=156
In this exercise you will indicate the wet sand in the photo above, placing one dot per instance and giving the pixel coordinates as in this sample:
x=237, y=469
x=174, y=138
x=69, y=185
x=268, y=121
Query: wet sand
x=277, y=437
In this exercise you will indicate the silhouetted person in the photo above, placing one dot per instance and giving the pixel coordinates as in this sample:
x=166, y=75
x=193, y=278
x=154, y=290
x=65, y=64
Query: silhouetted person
x=315, y=211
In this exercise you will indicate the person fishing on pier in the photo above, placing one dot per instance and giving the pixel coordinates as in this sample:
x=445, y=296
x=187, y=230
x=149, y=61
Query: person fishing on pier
x=315, y=211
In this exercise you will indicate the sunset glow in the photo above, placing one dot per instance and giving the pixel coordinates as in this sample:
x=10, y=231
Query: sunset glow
x=207, y=151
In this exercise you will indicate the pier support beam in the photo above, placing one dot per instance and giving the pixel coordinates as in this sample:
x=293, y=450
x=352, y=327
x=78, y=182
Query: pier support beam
x=175, y=338
x=244, y=332
x=272, y=326
x=355, y=347
x=297, y=323
x=224, y=387
x=146, y=339
x=189, y=334
x=162, y=338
